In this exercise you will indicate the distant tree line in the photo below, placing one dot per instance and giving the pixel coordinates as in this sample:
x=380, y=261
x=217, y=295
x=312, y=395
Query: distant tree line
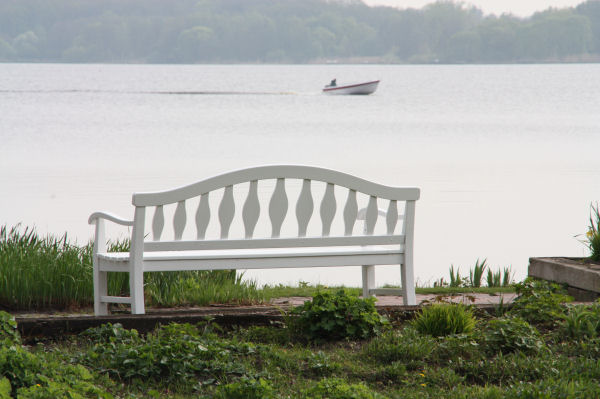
x=289, y=31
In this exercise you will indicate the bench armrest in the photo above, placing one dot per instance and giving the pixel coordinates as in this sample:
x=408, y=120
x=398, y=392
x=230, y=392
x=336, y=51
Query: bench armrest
x=109, y=216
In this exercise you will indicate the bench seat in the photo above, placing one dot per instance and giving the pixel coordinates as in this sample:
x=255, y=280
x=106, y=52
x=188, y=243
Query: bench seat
x=258, y=258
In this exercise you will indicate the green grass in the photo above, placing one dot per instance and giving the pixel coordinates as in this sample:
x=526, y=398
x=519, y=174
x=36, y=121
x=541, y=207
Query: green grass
x=506, y=357
x=38, y=273
x=42, y=272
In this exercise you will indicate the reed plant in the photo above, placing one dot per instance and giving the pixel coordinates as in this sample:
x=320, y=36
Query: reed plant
x=455, y=280
x=42, y=272
x=494, y=278
x=476, y=273
x=593, y=233
x=500, y=278
x=50, y=272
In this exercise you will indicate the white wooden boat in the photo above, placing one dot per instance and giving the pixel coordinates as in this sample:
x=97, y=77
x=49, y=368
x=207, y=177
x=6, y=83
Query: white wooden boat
x=357, y=88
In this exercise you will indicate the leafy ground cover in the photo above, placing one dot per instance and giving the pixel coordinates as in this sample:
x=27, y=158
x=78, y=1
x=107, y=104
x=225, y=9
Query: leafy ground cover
x=540, y=348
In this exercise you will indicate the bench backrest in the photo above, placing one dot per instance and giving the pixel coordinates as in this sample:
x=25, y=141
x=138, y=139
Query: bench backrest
x=278, y=209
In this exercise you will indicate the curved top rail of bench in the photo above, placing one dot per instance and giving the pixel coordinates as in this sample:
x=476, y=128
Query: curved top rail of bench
x=275, y=172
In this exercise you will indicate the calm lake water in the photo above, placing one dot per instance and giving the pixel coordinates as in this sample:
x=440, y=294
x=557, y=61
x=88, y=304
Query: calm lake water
x=507, y=157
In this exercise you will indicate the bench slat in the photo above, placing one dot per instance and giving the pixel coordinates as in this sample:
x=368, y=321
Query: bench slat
x=158, y=222
x=371, y=217
x=328, y=208
x=278, y=207
x=273, y=243
x=179, y=220
x=391, y=217
x=350, y=212
x=226, y=211
x=251, y=210
x=202, y=217
x=304, y=208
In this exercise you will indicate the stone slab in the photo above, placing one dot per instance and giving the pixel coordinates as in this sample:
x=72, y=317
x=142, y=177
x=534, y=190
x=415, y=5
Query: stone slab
x=574, y=272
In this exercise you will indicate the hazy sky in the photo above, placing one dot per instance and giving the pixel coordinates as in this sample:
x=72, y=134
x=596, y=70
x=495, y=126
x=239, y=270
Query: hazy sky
x=521, y=8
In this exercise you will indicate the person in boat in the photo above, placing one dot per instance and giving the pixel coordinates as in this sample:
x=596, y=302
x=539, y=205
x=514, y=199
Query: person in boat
x=333, y=83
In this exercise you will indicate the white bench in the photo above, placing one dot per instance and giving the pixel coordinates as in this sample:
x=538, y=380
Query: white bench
x=366, y=249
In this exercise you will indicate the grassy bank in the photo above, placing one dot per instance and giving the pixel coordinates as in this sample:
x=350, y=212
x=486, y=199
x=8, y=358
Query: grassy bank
x=541, y=348
x=38, y=273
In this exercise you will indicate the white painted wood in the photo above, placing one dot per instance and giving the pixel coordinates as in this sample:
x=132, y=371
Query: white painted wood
x=350, y=213
x=391, y=217
x=158, y=222
x=406, y=270
x=251, y=210
x=274, y=262
x=109, y=216
x=179, y=220
x=202, y=217
x=136, y=263
x=276, y=172
x=368, y=278
x=260, y=259
x=304, y=208
x=154, y=246
x=226, y=211
x=100, y=277
x=278, y=207
x=371, y=216
x=386, y=291
x=328, y=208
x=115, y=299
x=362, y=214
x=249, y=253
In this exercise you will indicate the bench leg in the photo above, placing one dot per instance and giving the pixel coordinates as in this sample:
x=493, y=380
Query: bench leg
x=100, y=289
x=100, y=278
x=368, y=279
x=408, y=285
x=136, y=289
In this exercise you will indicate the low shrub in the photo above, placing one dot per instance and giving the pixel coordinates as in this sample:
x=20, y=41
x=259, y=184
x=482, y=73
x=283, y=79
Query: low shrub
x=173, y=353
x=512, y=334
x=32, y=375
x=540, y=302
x=444, y=319
x=5, y=388
x=333, y=316
x=19, y=366
x=336, y=388
x=8, y=329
